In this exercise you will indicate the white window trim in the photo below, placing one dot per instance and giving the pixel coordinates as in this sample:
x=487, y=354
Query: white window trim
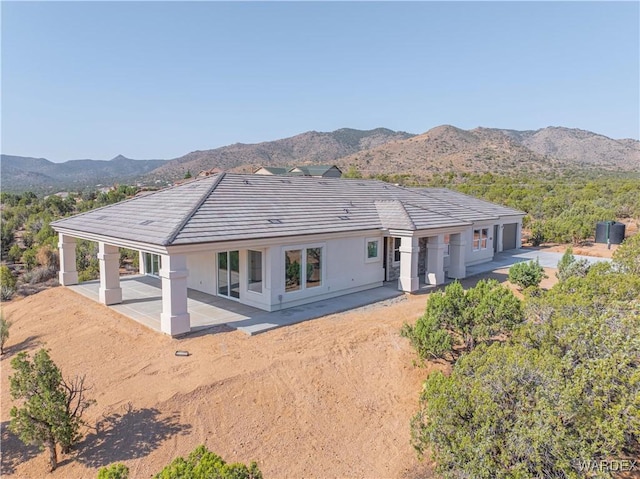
x=303, y=266
x=393, y=251
x=378, y=256
x=264, y=276
x=480, y=238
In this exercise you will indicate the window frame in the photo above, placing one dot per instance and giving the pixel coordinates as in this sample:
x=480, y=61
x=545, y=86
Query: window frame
x=304, y=252
x=482, y=241
x=377, y=257
x=249, y=275
x=396, y=251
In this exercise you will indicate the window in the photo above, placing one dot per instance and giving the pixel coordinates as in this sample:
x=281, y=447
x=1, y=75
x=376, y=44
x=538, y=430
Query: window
x=255, y=271
x=397, y=242
x=314, y=267
x=480, y=237
x=373, y=247
x=296, y=261
x=292, y=260
x=152, y=264
x=447, y=238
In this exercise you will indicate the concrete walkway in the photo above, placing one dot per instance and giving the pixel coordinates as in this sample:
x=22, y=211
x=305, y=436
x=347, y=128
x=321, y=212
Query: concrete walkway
x=142, y=298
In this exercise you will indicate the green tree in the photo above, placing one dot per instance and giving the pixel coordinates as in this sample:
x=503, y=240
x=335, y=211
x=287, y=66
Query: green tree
x=455, y=317
x=561, y=392
x=204, y=464
x=352, y=172
x=7, y=278
x=4, y=331
x=51, y=408
x=187, y=175
x=526, y=274
x=569, y=266
x=114, y=471
x=627, y=256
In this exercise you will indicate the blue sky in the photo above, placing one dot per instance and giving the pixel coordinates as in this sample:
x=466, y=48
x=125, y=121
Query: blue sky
x=160, y=79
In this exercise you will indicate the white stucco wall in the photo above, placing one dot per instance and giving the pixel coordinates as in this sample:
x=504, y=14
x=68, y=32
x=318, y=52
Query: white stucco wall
x=202, y=272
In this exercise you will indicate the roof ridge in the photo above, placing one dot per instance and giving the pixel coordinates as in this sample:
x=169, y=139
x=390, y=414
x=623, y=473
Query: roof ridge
x=176, y=231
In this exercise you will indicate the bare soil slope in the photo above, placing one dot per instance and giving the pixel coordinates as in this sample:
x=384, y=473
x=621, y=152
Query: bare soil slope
x=327, y=398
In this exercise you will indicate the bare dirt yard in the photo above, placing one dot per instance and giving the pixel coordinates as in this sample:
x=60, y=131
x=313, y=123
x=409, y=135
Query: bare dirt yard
x=331, y=397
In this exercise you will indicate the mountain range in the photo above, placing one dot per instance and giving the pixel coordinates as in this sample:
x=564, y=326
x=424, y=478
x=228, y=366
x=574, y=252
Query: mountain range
x=379, y=151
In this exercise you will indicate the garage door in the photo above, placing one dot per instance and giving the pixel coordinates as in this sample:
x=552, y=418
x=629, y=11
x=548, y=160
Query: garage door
x=509, y=236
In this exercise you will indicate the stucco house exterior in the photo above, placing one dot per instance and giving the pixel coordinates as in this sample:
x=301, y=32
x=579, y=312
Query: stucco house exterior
x=276, y=242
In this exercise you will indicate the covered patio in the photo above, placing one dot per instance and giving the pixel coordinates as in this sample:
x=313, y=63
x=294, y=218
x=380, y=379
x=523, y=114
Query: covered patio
x=142, y=302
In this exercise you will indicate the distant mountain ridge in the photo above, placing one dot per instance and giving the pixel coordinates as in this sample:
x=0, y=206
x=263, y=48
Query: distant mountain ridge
x=312, y=147
x=378, y=151
x=19, y=173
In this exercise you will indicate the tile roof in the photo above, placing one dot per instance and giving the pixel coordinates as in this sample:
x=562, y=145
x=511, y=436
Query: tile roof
x=227, y=206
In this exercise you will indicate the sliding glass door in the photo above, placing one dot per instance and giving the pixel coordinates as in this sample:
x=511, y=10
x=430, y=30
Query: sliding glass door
x=229, y=274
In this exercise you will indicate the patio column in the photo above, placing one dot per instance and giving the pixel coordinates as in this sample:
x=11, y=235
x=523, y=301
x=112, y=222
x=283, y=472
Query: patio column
x=110, y=291
x=435, y=260
x=175, y=318
x=409, y=251
x=141, y=268
x=67, y=249
x=519, y=234
x=457, y=266
x=499, y=240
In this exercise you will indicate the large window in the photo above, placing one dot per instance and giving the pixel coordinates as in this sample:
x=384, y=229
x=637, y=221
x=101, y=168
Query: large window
x=255, y=271
x=297, y=261
x=480, y=237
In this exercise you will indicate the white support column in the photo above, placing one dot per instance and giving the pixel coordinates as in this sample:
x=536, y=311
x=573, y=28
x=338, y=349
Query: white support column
x=499, y=239
x=435, y=260
x=175, y=318
x=141, y=268
x=457, y=265
x=110, y=291
x=409, y=251
x=67, y=248
x=519, y=234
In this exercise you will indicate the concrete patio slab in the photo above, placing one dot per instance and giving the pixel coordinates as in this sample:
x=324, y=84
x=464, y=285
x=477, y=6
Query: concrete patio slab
x=142, y=302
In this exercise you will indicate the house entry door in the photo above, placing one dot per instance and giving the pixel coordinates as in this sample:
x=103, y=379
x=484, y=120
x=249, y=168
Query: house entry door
x=229, y=274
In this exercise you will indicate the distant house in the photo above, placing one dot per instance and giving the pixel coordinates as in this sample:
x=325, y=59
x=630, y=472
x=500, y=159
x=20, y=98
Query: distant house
x=276, y=242
x=316, y=171
x=271, y=170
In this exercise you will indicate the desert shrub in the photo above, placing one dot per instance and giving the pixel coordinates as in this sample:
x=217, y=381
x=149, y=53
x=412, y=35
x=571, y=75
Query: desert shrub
x=15, y=253
x=114, y=471
x=41, y=274
x=46, y=256
x=7, y=278
x=526, y=274
x=6, y=293
x=204, y=464
x=4, y=332
x=569, y=266
x=455, y=317
x=627, y=256
x=29, y=258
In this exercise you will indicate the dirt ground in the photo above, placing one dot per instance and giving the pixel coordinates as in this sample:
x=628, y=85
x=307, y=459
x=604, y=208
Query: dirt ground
x=331, y=397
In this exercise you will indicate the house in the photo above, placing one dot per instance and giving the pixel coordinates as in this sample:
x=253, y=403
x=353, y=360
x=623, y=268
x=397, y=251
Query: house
x=271, y=170
x=317, y=171
x=275, y=242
